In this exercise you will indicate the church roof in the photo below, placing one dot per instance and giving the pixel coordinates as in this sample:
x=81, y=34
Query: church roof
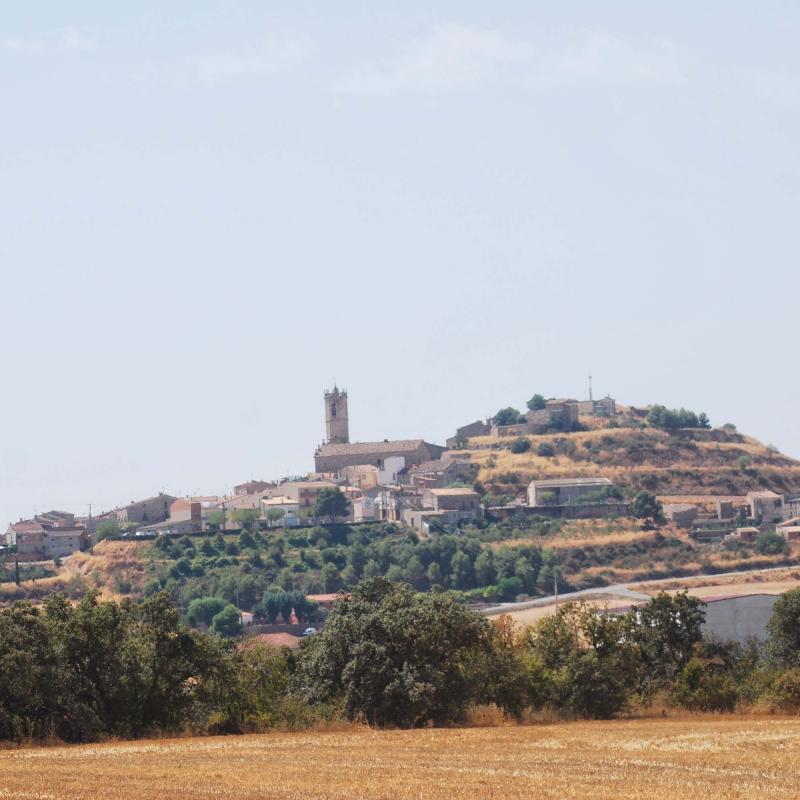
x=371, y=448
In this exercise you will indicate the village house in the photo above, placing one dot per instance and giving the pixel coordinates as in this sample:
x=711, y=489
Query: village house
x=567, y=491
x=557, y=414
x=465, y=432
x=305, y=493
x=441, y=473
x=790, y=532
x=147, y=511
x=252, y=487
x=682, y=514
x=28, y=536
x=765, y=505
x=605, y=407
x=746, y=535
x=364, y=476
x=36, y=542
x=791, y=506
x=460, y=504
x=275, y=504
x=56, y=519
x=186, y=515
x=363, y=508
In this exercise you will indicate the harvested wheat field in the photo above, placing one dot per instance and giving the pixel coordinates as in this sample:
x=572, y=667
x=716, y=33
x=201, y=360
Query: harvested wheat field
x=731, y=757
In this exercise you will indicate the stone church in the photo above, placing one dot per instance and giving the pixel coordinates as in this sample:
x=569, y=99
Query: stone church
x=338, y=451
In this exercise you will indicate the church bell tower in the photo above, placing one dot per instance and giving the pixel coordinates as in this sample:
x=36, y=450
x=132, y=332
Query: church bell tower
x=336, y=426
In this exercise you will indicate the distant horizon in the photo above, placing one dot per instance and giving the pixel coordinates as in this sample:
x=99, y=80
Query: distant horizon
x=98, y=508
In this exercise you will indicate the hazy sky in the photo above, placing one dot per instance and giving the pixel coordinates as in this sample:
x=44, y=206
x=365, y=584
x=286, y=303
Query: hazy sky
x=211, y=210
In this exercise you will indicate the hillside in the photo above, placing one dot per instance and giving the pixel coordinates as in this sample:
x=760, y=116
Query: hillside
x=695, y=463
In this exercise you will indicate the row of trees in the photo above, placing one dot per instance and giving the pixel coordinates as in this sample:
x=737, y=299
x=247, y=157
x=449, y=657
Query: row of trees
x=672, y=418
x=387, y=655
x=327, y=559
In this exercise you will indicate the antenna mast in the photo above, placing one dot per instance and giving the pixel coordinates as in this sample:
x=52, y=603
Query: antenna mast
x=590, y=388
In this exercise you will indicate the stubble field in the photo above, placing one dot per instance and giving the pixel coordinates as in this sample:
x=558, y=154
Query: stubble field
x=700, y=758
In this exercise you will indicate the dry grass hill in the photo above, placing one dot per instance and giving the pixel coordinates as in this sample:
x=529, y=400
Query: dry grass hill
x=686, y=463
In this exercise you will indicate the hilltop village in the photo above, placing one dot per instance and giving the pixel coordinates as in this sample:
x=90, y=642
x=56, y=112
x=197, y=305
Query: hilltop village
x=430, y=487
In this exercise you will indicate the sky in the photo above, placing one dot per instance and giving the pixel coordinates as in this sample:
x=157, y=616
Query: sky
x=212, y=211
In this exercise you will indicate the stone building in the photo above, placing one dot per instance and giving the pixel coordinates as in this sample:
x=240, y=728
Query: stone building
x=565, y=491
x=337, y=452
x=765, y=505
x=334, y=457
x=36, y=541
x=441, y=473
x=465, y=432
x=559, y=415
x=148, y=511
x=682, y=514
x=337, y=430
x=604, y=407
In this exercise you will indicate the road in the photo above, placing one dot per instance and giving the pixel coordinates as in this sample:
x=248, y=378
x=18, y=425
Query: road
x=618, y=590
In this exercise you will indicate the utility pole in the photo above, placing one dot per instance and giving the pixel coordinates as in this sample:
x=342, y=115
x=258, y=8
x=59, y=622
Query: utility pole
x=590, y=388
x=555, y=587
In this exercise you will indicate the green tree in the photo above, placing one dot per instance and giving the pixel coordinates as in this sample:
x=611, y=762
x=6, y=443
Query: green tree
x=580, y=661
x=251, y=687
x=537, y=403
x=228, y=622
x=202, y=610
x=461, y=576
x=666, y=631
x=107, y=529
x=771, y=543
x=331, y=579
x=508, y=416
x=216, y=520
x=509, y=588
x=784, y=630
x=372, y=569
x=434, y=574
x=245, y=518
x=705, y=685
x=331, y=503
x=395, y=657
x=484, y=569
x=646, y=507
x=414, y=573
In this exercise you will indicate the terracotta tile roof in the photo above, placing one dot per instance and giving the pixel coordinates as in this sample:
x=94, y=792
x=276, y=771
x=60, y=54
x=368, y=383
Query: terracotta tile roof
x=453, y=492
x=26, y=526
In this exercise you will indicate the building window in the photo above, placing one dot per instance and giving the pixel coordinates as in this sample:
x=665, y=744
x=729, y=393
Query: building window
x=333, y=409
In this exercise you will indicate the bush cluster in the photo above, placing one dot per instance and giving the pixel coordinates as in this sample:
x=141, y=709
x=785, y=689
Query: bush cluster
x=388, y=655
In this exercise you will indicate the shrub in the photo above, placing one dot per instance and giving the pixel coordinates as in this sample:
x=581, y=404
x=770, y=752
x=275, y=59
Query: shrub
x=785, y=691
x=509, y=588
x=703, y=686
x=508, y=416
x=770, y=543
x=521, y=445
x=545, y=450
